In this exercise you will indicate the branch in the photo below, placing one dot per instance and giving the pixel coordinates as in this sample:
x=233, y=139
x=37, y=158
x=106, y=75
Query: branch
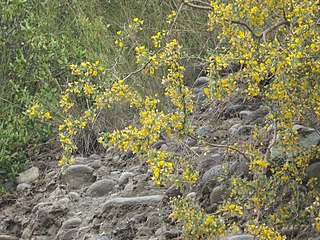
x=205, y=5
x=270, y=29
x=247, y=26
x=142, y=67
x=223, y=146
x=274, y=139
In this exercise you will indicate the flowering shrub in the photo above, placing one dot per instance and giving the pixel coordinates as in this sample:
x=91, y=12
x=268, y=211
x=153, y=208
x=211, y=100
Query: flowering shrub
x=265, y=50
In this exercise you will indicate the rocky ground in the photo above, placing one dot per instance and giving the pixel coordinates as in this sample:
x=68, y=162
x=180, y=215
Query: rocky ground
x=112, y=196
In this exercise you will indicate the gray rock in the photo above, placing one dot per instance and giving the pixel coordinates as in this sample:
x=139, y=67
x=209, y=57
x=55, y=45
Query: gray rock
x=144, y=231
x=233, y=110
x=240, y=167
x=96, y=164
x=158, y=144
x=201, y=81
x=302, y=130
x=80, y=160
x=313, y=171
x=243, y=114
x=203, y=131
x=256, y=117
x=28, y=176
x=73, y=196
x=201, y=97
x=78, y=176
x=192, y=195
x=98, y=237
x=7, y=237
x=242, y=237
x=68, y=235
x=71, y=223
x=212, y=173
x=23, y=187
x=245, y=130
x=124, y=178
x=95, y=157
x=310, y=140
x=217, y=194
x=61, y=206
x=101, y=188
x=173, y=191
x=118, y=201
x=234, y=129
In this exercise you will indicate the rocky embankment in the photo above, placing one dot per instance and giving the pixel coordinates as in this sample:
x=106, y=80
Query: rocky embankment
x=112, y=196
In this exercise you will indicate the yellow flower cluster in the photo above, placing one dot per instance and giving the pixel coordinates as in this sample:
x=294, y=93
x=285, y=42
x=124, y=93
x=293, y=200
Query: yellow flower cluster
x=38, y=112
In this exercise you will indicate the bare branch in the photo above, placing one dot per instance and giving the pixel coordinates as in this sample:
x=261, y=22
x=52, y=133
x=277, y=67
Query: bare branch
x=229, y=147
x=270, y=29
x=206, y=7
x=247, y=26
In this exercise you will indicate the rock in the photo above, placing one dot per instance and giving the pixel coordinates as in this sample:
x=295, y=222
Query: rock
x=153, y=220
x=212, y=174
x=158, y=144
x=240, y=168
x=28, y=176
x=101, y=188
x=245, y=130
x=23, y=187
x=216, y=195
x=124, y=178
x=61, y=206
x=193, y=71
x=192, y=142
x=96, y=164
x=118, y=201
x=7, y=237
x=78, y=176
x=95, y=157
x=129, y=187
x=203, y=131
x=200, y=97
x=71, y=223
x=313, y=171
x=312, y=139
x=201, y=81
x=144, y=231
x=233, y=110
x=128, y=153
x=192, y=195
x=234, y=129
x=302, y=130
x=242, y=237
x=256, y=117
x=98, y=237
x=244, y=114
x=68, y=235
x=73, y=196
x=80, y=160
x=172, y=192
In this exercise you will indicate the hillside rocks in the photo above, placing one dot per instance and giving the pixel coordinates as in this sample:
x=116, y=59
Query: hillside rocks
x=113, y=197
x=101, y=188
x=78, y=176
x=28, y=176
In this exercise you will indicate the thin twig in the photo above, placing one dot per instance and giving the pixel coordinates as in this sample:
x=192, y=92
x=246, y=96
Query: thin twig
x=274, y=139
x=223, y=146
